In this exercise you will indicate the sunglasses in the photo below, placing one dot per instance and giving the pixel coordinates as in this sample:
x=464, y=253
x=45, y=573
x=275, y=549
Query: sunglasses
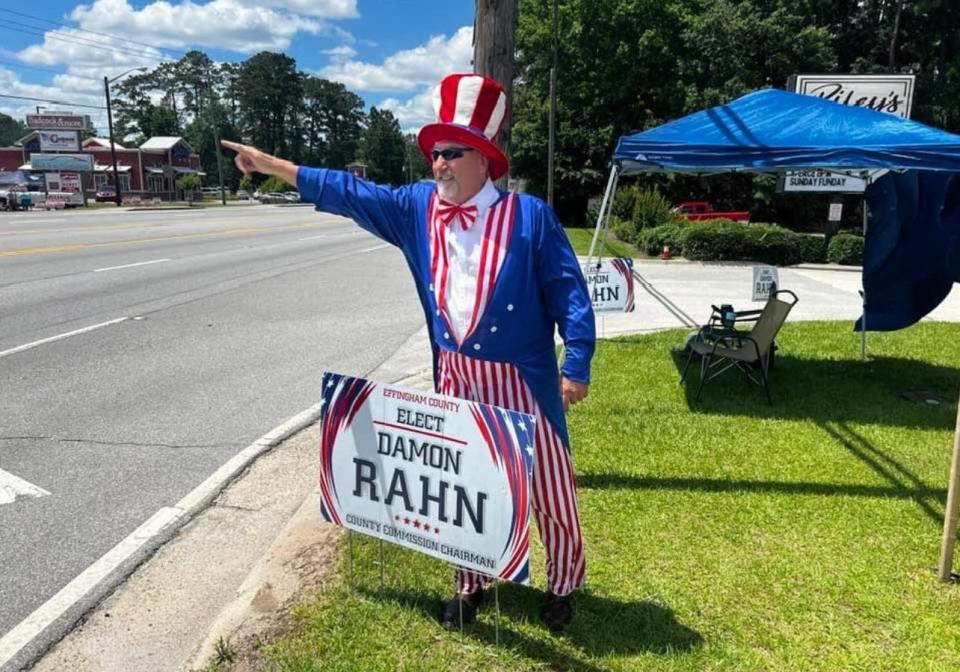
x=450, y=153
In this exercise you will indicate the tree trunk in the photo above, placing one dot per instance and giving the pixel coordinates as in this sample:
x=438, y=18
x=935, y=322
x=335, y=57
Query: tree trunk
x=495, y=24
x=896, y=34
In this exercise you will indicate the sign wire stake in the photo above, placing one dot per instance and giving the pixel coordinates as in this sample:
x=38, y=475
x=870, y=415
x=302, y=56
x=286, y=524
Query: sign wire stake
x=381, y=565
x=350, y=544
x=460, y=606
x=496, y=602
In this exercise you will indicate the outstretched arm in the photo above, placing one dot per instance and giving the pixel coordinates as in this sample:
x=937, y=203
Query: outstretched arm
x=252, y=160
x=384, y=212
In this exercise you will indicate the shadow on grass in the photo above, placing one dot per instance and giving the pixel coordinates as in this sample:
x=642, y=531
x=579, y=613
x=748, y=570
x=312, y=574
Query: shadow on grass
x=602, y=626
x=830, y=391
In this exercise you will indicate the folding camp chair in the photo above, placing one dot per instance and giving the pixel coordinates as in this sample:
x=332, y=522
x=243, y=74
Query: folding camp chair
x=723, y=347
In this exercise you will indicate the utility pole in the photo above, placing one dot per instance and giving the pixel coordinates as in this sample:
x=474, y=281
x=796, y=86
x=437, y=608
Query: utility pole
x=113, y=145
x=553, y=112
x=494, y=28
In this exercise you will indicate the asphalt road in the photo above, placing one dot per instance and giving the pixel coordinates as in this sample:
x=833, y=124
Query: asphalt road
x=231, y=315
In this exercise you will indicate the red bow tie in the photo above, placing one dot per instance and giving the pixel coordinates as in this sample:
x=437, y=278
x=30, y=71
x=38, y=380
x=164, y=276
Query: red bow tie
x=449, y=211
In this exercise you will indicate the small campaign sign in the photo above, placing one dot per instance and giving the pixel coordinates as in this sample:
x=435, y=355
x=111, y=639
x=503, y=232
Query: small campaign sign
x=59, y=141
x=836, y=212
x=610, y=283
x=439, y=475
x=766, y=280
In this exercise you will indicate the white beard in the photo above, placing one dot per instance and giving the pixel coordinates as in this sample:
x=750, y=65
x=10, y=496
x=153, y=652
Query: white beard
x=447, y=189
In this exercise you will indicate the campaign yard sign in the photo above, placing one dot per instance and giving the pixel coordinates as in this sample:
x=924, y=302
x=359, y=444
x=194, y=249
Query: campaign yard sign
x=439, y=475
x=610, y=283
x=766, y=279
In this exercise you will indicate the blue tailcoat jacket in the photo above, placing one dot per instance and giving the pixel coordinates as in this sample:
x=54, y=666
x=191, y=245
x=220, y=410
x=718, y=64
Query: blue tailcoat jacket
x=539, y=286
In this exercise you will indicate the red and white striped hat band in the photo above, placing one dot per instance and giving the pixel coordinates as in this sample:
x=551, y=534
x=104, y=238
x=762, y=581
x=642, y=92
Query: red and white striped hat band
x=470, y=110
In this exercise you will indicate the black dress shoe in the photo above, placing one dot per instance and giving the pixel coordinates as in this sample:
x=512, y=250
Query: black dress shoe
x=557, y=611
x=465, y=604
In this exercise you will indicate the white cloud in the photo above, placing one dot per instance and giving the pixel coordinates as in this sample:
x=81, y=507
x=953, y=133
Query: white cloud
x=328, y=9
x=410, y=69
x=413, y=112
x=225, y=24
x=341, y=54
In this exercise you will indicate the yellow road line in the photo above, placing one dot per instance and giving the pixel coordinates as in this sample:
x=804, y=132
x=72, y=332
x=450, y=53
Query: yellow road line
x=48, y=249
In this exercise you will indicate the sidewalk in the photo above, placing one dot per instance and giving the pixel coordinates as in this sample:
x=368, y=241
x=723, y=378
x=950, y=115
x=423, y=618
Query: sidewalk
x=227, y=579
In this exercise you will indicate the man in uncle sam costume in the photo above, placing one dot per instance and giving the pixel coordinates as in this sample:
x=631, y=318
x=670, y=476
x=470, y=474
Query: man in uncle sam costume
x=495, y=275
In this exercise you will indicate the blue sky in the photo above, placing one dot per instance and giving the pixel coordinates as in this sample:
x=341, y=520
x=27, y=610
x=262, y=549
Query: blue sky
x=391, y=52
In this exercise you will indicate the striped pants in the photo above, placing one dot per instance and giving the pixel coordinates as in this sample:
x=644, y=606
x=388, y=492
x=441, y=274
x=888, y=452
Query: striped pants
x=554, y=489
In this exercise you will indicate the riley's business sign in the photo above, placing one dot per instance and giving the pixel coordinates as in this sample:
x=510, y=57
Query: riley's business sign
x=891, y=94
x=439, y=475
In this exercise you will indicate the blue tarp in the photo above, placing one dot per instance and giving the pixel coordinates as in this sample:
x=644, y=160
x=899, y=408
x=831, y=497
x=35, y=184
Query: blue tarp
x=912, y=251
x=912, y=254
x=774, y=130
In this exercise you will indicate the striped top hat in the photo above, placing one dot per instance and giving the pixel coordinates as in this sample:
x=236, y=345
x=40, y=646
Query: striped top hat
x=470, y=111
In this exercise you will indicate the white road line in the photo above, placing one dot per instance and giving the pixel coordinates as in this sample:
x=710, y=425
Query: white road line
x=139, y=263
x=12, y=487
x=198, y=499
x=322, y=235
x=60, y=337
x=375, y=247
x=21, y=635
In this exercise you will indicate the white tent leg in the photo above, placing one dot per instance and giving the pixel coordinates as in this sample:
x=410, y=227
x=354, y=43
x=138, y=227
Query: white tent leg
x=863, y=293
x=945, y=572
x=605, y=205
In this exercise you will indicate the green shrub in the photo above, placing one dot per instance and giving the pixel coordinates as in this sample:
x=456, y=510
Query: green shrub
x=646, y=208
x=813, y=248
x=725, y=240
x=845, y=249
x=651, y=209
x=275, y=184
x=246, y=184
x=189, y=182
x=652, y=240
x=624, y=229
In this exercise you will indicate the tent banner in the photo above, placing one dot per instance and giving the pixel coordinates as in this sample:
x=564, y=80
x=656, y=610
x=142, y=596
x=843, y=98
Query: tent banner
x=443, y=476
x=610, y=283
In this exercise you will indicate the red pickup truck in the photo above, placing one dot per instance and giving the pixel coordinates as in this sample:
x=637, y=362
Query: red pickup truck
x=700, y=210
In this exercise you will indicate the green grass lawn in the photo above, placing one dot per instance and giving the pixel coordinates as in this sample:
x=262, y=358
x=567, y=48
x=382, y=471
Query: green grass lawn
x=721, y=535
x=580, y=239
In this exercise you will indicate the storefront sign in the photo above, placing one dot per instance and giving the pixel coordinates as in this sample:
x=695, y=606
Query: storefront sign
x=435, y=474
x=892, y=94
x=57, y=162
x=73, y=122
x=766, y=279
x=70, y=182
x=59, y=141
x=611, y=285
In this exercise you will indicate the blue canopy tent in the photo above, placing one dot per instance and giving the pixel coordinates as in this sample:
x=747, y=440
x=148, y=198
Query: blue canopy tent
x=912, y=255
x=912, y=249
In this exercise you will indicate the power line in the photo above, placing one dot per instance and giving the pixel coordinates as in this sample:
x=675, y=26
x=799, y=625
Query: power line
x=79, y=41
x=55, y=102
x=93, y=32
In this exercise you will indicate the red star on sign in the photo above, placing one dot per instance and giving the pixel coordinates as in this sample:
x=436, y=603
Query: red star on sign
x=406, y=521
x=396, y=517
x=416, y=524
x=437, y=530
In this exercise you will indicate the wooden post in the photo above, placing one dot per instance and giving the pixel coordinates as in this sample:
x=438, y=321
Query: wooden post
x=494, y=27
x=945, y=571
